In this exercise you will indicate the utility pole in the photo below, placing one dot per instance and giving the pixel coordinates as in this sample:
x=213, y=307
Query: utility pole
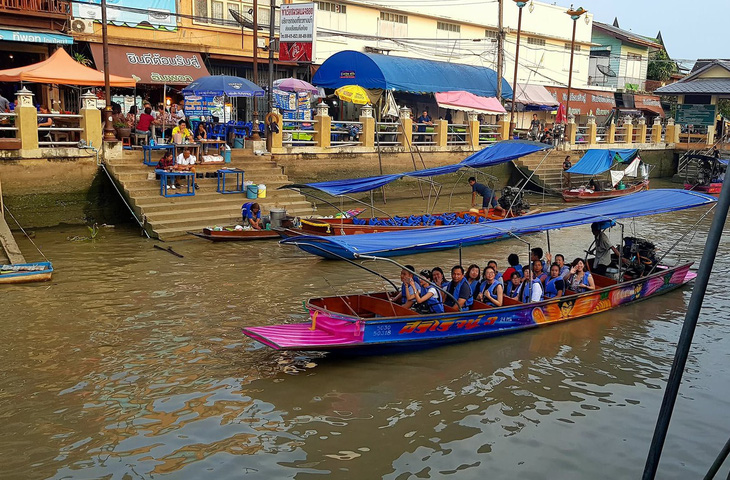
x=272, y=43
x=255, y=131
x=109, y=134
x=500, y=49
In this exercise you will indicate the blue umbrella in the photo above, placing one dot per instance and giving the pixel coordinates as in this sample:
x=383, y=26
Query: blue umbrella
x=223, y=85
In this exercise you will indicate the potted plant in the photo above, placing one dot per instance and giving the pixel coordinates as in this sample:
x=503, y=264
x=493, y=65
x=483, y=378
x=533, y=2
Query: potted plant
x=123, y=130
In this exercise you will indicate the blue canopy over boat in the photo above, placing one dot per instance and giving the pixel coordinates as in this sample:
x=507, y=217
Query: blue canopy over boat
x=405, y=242
x=597, y=161
x=498, y=153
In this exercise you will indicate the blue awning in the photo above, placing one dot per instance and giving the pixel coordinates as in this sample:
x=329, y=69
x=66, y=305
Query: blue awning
x=597, y=161
x=35, y=37
x=498, y=153
x=370, y=70
x=404, y=242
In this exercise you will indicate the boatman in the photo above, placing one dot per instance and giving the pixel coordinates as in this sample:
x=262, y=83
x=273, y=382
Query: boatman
x=488, y=197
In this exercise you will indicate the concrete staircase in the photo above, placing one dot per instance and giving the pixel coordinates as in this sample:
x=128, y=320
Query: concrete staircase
x=170, y=218
x=548, y=174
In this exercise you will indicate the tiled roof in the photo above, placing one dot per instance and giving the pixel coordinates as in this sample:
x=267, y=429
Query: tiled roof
x=703, y=62
x=700, y=86
x=627, y=35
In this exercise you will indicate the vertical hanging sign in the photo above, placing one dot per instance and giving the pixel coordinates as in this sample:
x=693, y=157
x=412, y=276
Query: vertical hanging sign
x=298, y=32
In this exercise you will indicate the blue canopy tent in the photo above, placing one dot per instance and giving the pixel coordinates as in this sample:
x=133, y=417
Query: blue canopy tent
x=370, y=70
x=421, y=240
x=597, y=161
x=498, y=153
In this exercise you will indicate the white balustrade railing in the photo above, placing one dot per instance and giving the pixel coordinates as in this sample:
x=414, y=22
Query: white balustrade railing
x=345, y=133
x=423, y=137
x=489, y=134
x=64, y=131
x=581, y=135
x=601, y=134
x=457, y=134
x=386, y=134
x=7, y=125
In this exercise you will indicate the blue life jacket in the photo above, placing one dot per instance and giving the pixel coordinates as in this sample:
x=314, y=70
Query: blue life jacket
x=469, y=301
x=518, y=269
x=498, y=278
x=246, y=212
x=475, y=287
x=403, y=291
x=510, y=289
x=435, y=304
x=550, y=290
x=584, y=281
x=527, y=291
x=490, y=289
x=564, y=270
x=542, y=277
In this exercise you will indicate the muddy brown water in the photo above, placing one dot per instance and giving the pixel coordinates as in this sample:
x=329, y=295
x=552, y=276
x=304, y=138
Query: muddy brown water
x=131, y=364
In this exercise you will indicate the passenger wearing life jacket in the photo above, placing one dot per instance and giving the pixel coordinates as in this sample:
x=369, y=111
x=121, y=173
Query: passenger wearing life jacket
x=538, y=271
x=531, y=288
x=407, y=294
x=428, y=294
x=513, y=288
x=472, y=278
x=555, y=285
x=251, y=213
x=536, y=254
x=577, y=279
x=458, y=289
x=497, y=275
x=560, y=260
x=492, y=291
x=514, y=266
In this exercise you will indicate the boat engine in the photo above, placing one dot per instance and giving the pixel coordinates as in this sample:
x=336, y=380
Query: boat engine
x=516, y=198
x=641, y=255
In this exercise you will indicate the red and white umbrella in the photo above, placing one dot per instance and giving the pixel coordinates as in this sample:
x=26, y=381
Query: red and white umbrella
x=561, y=117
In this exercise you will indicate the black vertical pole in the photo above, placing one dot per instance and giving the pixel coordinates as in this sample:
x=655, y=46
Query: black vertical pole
x=688, y=330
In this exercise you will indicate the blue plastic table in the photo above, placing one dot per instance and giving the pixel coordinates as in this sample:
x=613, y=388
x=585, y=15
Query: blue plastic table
x=147, y=152
x=222, y=180
x=189, y=183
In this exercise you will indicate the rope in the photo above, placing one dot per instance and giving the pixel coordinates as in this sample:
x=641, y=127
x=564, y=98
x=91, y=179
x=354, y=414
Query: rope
x=103, y=167
x=25, y=233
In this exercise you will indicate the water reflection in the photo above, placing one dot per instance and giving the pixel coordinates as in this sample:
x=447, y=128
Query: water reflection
x=131, y=364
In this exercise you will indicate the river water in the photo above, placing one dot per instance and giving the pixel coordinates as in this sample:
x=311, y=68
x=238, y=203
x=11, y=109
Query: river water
x=131, y=364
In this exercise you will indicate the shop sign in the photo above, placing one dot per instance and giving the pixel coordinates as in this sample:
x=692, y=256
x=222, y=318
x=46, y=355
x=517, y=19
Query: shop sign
x=695, y=114
x=297, y=32
x=35, y=37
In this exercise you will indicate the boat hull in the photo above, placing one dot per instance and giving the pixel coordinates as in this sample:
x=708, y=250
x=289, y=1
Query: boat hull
x=713, y=188
x=235, y=235
x=573, y=196
x=28, y=276
x=333, y=331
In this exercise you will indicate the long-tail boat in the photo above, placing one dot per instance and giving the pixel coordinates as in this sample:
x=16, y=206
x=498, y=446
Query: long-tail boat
x=26, y=272
x=598, y=161
x=710, y=173
x=373, y=323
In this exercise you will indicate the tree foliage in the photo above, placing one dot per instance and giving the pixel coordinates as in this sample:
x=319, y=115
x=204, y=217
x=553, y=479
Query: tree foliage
x=661, y=67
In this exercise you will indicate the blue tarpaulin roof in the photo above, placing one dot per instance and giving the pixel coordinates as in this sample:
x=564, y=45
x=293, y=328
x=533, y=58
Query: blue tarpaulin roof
x=597, y=161
x=439, y=238
x=371, y=70
x=498, y=153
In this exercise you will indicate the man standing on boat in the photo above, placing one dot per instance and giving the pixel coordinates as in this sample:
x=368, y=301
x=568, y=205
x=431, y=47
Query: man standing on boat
x=603, y=250
x=488, y=197
x=566, y=175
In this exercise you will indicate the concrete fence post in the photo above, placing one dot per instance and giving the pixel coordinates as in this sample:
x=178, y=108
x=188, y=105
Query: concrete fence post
x=611, y=133
x=592, y=130
x=277, y=138
x=503, y=128
x=656, y=131
x=90, y=120
x=473, y=127
x=629, y=129
x=323, y=126
x=672, y=134
x=367, y=137
x=570, y=130
x=642, y=130
x=440, y=130
x=405, y=136
x=26, y=120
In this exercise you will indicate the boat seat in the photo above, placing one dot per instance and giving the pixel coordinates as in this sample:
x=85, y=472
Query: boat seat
x=384, y=308
x=451, y=309
x=477, y=305
x=507, y=302
x=602, y=281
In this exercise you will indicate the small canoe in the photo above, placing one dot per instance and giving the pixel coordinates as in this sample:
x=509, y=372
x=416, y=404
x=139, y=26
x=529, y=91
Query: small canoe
x=356, y=226
x=232, y=235
x=26, y=272
x=370, y=323
x=578, y=194
x=713, y=188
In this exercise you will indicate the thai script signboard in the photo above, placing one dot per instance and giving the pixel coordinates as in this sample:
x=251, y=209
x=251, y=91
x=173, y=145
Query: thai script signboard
x=297, y=32
x=695, y=114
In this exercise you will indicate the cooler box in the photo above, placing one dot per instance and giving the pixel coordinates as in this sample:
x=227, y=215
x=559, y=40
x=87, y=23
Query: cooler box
x=238, y=142
x=227, y=156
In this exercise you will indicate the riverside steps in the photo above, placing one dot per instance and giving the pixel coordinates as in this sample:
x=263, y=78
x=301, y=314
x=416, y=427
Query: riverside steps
x=170, y=218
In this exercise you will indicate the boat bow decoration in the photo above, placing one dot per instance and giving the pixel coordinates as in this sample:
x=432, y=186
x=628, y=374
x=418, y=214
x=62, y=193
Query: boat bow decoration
x=405, y=242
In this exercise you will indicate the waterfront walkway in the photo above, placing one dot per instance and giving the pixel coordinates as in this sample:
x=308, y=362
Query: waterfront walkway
x=171, y=217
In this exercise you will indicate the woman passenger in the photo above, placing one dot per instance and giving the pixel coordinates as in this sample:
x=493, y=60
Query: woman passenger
x=514, y=286
x=538, y=273
x=497, y=275
x=578, y=279
x=492, y=290
x=428, y=294
x=438, y=277
x=555, y=285
x=472, y=278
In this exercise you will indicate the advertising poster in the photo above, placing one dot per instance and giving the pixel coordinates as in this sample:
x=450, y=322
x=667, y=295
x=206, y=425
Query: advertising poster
x=297, y=32
x=152, y=14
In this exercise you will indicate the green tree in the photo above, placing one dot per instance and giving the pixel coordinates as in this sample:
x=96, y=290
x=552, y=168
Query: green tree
x=723, y=107
x=661, y=67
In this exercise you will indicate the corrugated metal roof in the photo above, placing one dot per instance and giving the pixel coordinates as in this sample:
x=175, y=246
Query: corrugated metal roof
x=701, y=86
x=627, y=35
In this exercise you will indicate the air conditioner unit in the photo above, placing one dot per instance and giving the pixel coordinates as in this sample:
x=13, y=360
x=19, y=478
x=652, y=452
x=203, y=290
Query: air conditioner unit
x=262, y=42
x=82, y=26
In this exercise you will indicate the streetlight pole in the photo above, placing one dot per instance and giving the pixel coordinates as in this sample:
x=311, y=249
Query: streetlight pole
x=520, y=5
x=255, y=131
x=574, y=15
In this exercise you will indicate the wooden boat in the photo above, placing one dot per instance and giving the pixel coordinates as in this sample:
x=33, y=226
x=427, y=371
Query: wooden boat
x=229, y=234
x=26, y=272
x=712, y=188
x=583, y=194
x=353, y=226
x=371, y=322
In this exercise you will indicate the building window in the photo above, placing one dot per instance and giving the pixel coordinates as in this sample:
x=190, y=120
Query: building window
x=332, y=16
x=218, y=12
x=448, y=27
x=540, y=42
x=393, y=17
x=490, y=34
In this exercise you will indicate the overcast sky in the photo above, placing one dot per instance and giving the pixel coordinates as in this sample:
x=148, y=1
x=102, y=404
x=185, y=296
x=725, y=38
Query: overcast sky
x=691, y=29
